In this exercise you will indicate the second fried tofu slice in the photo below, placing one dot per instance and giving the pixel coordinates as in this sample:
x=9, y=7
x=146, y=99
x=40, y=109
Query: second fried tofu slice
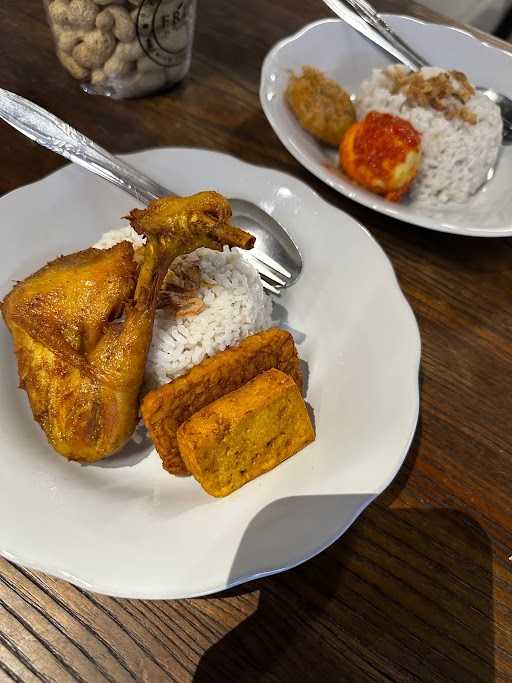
x=165, y=408
x=246, y=433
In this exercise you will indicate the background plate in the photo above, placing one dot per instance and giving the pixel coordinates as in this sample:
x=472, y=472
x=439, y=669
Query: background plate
x=125, y=527
x=345, y=55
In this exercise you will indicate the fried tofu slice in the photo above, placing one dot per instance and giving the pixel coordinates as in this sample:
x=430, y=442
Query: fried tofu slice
x=245, y=433
x=166, y=408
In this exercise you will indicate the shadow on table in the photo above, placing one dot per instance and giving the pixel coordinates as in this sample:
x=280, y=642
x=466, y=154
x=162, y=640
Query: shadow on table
x=401, y=480
x=404, y=595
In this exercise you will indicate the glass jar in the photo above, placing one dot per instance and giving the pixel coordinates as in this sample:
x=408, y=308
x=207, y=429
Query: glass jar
x=123, y=48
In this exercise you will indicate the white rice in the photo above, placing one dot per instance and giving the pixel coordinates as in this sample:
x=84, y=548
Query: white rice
x=456, y=155
x=235, y=306
x=128, y=234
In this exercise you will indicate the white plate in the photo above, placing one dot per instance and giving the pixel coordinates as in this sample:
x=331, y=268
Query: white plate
x=125, y=527
x=343, y=54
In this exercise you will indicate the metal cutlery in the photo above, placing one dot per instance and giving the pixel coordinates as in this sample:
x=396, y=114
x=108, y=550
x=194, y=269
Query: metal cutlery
x=276, y=256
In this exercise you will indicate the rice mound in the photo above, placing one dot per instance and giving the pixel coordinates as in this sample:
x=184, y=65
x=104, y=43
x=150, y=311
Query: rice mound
x=456, y=156
x=235, y=306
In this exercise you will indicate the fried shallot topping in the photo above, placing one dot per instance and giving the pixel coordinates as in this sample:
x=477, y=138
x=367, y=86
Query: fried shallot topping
x=447, y=92
x=181, y=286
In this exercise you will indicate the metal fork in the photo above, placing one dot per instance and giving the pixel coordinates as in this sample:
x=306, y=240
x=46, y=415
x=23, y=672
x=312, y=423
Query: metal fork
x=276, y=257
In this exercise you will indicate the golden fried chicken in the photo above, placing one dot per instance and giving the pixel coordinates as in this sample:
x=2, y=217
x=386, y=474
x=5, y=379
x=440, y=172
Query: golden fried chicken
x=321, y=106
x=82, y=325
x=382, y=153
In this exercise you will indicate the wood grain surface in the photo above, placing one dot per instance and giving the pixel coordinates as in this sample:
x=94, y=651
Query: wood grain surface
x=419, y=589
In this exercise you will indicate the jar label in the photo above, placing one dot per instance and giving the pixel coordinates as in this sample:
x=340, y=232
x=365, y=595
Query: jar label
x=164, y=30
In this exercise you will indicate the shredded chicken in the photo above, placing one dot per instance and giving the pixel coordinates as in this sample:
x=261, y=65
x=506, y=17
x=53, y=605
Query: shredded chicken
x=181, y=286
x=185, y=273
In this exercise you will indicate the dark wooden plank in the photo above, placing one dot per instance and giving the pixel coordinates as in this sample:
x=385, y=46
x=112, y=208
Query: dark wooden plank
x=420, y=588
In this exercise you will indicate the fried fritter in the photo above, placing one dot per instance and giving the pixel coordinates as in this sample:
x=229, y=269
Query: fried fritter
x=166, y=408
x=321, y=106
x=382, y=153
x=245, y=433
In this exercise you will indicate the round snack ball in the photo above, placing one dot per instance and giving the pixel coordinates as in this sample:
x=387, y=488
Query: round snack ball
x=82, y=13
x=321, y=106
x=105, y=20
x=58, y=11
x=95, y=49
x=67, y=38
x=76, y=70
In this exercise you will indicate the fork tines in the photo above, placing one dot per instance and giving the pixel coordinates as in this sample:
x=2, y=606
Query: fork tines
x=273, y=275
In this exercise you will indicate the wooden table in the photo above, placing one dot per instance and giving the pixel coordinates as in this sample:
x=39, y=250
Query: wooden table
x=419, y=589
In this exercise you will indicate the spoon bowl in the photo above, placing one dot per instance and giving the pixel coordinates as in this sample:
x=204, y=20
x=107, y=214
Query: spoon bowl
x=505, y=105
x=272, y=240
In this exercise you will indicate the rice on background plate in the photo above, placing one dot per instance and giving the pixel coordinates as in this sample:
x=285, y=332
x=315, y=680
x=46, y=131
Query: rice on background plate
x=235, y=306
x=456, y=156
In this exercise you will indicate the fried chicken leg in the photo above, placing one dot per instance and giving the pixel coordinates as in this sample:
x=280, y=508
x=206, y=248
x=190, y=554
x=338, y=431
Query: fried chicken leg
x=81, y=365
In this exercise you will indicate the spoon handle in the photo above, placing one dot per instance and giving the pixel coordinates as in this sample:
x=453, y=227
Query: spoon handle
x=51, y=132
x=367, y=12
x=362, y=16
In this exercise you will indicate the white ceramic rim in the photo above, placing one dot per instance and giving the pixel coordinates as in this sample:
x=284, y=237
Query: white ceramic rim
x=92, y=586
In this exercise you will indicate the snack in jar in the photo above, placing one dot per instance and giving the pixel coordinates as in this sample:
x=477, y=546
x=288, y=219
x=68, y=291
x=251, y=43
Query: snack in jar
x=123, y=48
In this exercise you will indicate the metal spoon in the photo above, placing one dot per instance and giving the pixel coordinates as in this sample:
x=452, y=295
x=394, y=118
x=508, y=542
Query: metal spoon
x=276, y=256
x=362, y=16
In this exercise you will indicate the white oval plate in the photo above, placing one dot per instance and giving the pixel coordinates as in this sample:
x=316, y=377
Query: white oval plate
x=125, y=527
x=343, y=54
